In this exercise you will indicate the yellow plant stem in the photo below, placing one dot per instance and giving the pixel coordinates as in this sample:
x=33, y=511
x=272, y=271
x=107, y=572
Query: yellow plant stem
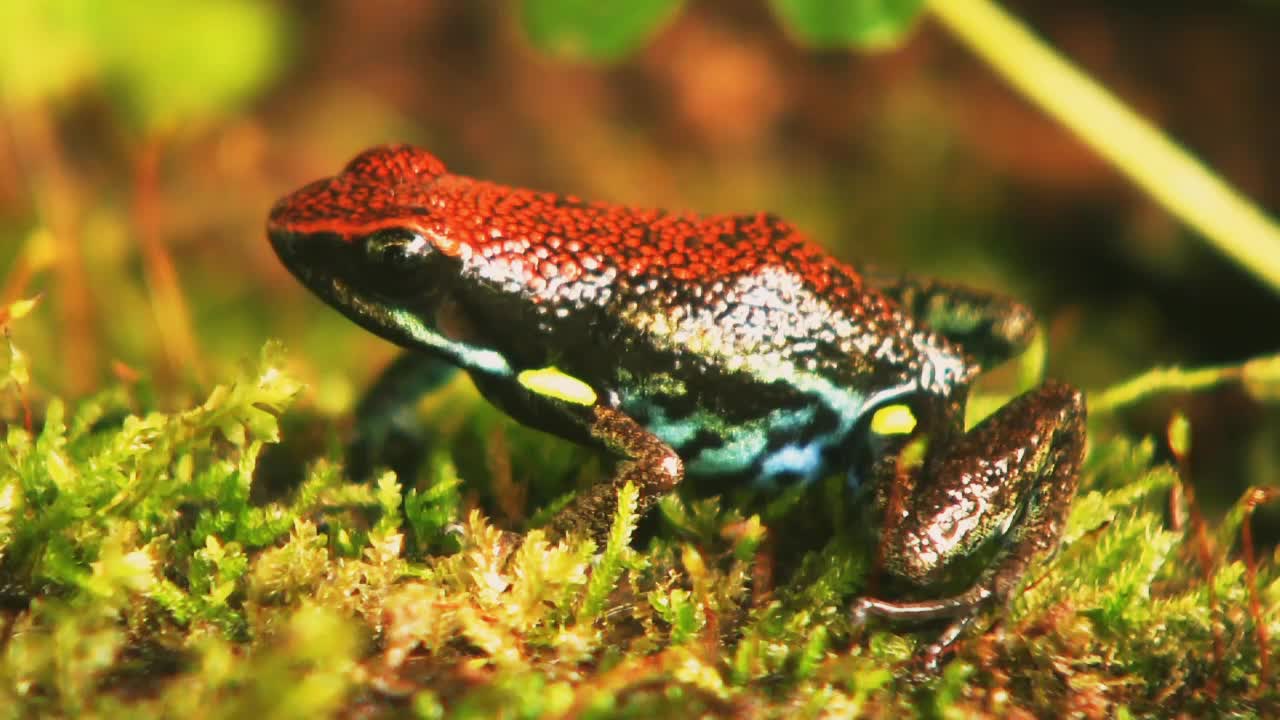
x=1261, y=377
x=1137, y=148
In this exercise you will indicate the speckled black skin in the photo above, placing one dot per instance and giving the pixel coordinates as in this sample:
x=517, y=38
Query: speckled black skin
x=725, y=346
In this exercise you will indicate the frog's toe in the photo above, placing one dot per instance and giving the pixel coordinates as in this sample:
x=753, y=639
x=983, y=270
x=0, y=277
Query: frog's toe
x=961, y=610
x=859, y=613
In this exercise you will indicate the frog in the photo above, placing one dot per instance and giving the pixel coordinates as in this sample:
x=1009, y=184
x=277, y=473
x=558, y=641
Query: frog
x=708, y=348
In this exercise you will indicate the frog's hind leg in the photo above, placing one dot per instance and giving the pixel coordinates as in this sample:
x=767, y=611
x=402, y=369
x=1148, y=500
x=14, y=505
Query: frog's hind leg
x=387, y=430
x=1022, y=464
x=990, y=327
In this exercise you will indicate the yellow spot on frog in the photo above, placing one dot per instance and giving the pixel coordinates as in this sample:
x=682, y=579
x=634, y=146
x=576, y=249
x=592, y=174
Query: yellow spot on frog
x=554, y=383
x=893, y=420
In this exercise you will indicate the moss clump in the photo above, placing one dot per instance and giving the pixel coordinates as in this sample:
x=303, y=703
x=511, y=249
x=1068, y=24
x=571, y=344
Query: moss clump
x=140, y=575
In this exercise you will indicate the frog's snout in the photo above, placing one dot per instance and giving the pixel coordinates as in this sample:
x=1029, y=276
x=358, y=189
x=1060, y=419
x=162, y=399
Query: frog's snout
x=313, y=257
x=282, y=242
x=297, y=252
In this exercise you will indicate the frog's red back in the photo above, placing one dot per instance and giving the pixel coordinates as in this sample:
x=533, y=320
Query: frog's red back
x=736, y=284
x=555, y=235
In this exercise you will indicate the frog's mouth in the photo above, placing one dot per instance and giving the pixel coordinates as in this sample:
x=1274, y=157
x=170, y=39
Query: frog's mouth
x=322, y=262
x=303, y=254
x=408, y=326
x=319, y=261
x=336, y=269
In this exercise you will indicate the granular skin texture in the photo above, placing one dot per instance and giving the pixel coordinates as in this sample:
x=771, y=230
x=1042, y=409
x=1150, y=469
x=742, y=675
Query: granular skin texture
x=748, y=290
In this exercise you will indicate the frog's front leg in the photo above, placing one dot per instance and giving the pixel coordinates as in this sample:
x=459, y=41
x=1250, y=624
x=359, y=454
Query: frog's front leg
x=541, y=399
x=1009, y=480
x=645, y=461
x=388, y=431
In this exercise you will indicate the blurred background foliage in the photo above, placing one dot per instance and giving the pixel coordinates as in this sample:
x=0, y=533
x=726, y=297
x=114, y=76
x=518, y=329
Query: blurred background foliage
x=143, y=144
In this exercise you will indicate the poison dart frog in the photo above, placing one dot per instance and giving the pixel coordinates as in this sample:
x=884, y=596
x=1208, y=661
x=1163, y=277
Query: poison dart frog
x=688, y=346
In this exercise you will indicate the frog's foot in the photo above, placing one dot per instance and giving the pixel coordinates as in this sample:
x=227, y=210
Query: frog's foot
x=963, y=609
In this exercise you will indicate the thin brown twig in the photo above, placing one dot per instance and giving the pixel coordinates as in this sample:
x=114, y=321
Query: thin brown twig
x=1255, y=497
x=1205, y=553
x=56, y=196
x=168, y=303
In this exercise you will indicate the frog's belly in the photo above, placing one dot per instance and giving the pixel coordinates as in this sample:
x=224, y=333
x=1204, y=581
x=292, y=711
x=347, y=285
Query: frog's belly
x=782, y=445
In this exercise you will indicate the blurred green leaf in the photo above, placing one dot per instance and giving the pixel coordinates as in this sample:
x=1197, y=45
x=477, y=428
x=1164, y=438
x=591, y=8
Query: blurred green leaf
x=181, y=60
x=592, y=30
x=45, y=48
x=165, y=63
x=864, y=24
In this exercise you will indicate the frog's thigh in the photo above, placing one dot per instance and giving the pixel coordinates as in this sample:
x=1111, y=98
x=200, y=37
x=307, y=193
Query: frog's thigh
x=1048, y=424
x=990, y=327
x=1027, y=457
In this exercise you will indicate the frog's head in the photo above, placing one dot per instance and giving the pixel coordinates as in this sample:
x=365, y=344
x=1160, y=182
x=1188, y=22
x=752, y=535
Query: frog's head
x=363, y=239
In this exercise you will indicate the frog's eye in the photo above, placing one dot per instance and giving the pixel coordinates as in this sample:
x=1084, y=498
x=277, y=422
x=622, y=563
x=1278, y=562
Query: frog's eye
x=393, y=261
x=393, y=248
x=894, y=419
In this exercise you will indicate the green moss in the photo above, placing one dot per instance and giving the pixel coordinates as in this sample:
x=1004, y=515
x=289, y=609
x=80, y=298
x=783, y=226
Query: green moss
x=140, y=575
